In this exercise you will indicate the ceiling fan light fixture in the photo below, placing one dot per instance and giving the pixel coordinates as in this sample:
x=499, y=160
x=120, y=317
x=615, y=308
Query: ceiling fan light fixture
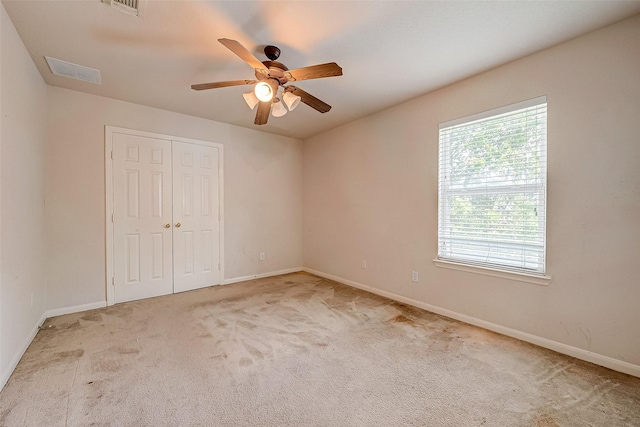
x=251, y=99
x=291, y=100
x=278, y=109
x=265, y=90
x=272, y=76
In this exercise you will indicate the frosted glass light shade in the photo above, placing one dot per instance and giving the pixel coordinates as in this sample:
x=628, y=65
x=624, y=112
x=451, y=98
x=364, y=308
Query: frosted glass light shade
x=264, y=91
x=278, y=109
x=251, y=99
x=291, y=100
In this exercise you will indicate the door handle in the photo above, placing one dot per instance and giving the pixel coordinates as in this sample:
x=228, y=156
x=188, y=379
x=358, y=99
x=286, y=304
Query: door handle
x=178, y=224
x=167, y=225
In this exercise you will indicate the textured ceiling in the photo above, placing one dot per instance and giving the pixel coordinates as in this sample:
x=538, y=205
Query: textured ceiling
x=390, y=51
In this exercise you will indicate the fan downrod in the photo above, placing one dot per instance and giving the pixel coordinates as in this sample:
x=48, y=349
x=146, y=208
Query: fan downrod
x=272, y=52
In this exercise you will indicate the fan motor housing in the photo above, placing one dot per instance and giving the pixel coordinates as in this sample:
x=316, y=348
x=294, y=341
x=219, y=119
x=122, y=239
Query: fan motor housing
x=276, y=71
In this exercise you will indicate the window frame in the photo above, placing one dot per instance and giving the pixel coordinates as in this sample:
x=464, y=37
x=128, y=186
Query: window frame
x=468, y=264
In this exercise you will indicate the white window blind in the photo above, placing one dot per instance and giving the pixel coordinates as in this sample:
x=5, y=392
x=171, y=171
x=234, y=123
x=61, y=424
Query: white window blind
x=492, y=188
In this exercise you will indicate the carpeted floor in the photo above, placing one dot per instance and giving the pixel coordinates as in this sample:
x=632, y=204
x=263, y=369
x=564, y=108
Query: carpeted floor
x=298, y=350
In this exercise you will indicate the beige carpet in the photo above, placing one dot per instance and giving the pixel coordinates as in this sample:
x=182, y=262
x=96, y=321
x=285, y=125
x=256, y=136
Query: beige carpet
x=298, y=350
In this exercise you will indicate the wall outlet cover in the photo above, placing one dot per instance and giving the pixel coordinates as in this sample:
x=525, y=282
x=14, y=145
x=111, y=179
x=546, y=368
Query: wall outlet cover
x=415, y=277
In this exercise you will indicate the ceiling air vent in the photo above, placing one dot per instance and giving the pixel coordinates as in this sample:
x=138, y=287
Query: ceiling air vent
x=73, y=71
x=132, y=7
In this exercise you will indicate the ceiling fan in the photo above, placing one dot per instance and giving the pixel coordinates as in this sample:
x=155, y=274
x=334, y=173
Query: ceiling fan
x=272, y=76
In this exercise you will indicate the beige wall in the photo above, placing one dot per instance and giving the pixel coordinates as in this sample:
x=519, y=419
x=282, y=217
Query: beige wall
x=22, y=140
x=262, y=179
x=370, y=192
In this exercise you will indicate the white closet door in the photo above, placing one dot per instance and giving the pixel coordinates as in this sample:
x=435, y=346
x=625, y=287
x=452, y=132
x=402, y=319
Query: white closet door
x=142, y=217
x=196, y=221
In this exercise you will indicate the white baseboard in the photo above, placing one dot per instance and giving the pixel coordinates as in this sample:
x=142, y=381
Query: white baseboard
x=578, y=353
x=261, y=275
x=75, y=309
x=25, y=345
x=102, y=304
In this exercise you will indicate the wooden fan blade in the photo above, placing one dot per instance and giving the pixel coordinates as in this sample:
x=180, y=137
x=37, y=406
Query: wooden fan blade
x=311, y=100
x=244, y=54
x=262, y=115
x=330, y=69
x=203, y=86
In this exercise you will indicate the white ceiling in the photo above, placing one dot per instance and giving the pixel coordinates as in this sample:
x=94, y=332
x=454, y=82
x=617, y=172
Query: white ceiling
x=390, y=51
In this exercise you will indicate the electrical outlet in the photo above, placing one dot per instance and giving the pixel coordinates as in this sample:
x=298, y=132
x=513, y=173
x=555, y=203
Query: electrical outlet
x=415, y=277
x=262, y=256
x=364, y=263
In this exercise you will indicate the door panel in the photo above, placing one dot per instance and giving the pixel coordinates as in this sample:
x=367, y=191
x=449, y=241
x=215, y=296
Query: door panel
x=141, y=208
x=196, y=199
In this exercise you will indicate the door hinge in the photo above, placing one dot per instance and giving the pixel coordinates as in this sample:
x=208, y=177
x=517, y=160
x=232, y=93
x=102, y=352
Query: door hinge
x=113, y=281
x=112, y=155
x=111, y=217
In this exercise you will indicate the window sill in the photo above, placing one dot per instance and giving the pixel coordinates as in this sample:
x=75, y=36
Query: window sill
x=542, y=280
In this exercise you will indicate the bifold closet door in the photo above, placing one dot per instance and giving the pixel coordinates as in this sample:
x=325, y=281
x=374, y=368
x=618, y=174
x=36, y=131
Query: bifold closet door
x=142, y=217
x=196, y=216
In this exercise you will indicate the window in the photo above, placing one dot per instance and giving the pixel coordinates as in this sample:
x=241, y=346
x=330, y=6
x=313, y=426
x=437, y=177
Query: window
x=492, y=188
